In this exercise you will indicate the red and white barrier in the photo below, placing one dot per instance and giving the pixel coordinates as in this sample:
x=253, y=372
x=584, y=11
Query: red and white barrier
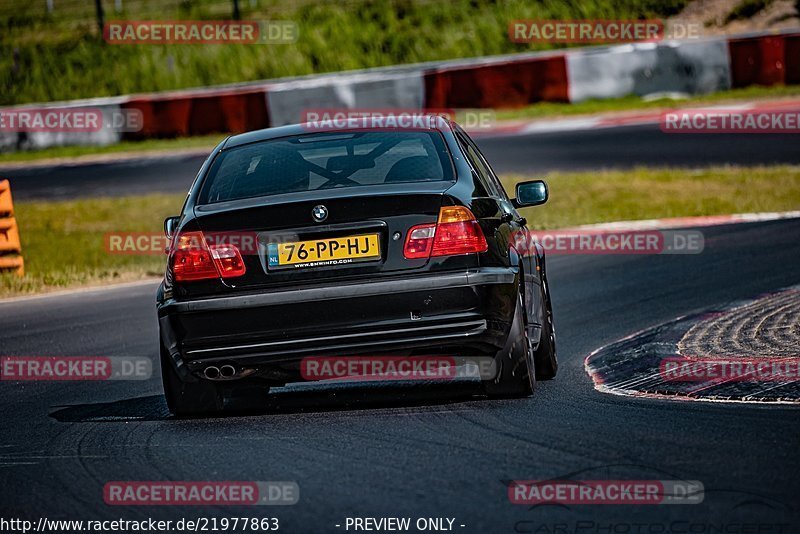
x=288, y=101
x=574, y=75
x=13, y=138
x=503, y=83
x=685, y=67
x=765, y=59
x=185, y=113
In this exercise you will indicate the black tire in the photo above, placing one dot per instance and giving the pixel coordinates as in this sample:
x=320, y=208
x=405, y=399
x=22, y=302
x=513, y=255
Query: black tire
x=516, y=375
x=544, y=357
x=188, y=398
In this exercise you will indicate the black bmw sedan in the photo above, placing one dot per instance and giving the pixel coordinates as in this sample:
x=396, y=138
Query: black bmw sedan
x=299, y=242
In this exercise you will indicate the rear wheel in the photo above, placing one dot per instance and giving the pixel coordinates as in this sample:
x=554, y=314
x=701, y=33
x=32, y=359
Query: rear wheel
x=544, y=356
x=188, y=398
x=516, y=376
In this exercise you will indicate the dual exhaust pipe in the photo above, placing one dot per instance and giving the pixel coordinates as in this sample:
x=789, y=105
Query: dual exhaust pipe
x=219, y=373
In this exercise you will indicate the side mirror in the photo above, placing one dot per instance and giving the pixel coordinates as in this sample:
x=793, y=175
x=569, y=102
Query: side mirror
x=531, y=193
x=170, y=225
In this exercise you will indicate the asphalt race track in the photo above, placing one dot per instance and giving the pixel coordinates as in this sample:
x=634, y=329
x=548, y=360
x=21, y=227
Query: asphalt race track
x=532, y=153
x=425, y=450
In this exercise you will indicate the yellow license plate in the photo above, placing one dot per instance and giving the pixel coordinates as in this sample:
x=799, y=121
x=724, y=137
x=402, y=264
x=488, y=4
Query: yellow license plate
x=324, y=252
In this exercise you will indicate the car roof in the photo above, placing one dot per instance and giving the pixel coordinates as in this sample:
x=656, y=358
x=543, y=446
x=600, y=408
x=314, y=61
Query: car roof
x=436, y=123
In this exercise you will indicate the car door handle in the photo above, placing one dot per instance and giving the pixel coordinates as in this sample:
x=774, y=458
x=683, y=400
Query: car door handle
x=506, y=218
x=522, y=221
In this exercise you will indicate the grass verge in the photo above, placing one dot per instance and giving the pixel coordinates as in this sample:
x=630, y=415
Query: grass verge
x=64, y=242
x=633, y=102
x=59, y=54
x=644, y=193
x=148, y=146
x=746, y=9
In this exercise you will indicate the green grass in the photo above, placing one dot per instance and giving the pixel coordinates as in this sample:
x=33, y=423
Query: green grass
x=644, y=193
x=59, y=56
x=552, y=109
x=64, y=242
x=149, y=145
x=746, y=9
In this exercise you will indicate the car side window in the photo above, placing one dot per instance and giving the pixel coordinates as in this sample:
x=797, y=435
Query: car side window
x=477, y=165
x=494, y=181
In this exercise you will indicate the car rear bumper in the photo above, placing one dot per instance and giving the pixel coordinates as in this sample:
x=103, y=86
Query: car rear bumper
x=456, y=313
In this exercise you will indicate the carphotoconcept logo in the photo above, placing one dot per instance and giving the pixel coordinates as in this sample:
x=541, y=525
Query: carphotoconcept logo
x=201, y=32
x=610, y=492
x=559, y=504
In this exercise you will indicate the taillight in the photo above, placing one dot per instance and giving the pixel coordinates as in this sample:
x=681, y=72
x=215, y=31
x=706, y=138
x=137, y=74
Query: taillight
x=193, y=259
x=419, y=242
x=456, y=232
x=229, y=260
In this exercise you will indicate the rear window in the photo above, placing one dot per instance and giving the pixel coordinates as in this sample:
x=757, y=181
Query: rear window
x=325, y=161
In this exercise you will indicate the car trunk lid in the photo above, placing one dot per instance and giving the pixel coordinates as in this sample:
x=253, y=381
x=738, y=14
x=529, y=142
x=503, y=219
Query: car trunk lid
x=357, y=231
